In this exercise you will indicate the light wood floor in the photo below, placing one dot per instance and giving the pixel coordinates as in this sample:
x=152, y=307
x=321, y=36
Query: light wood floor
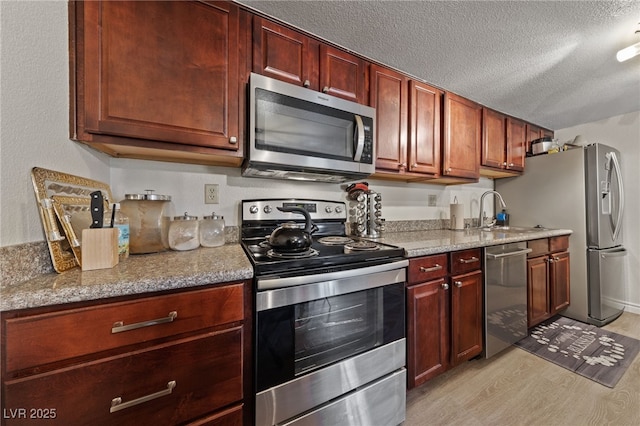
x=516, y=388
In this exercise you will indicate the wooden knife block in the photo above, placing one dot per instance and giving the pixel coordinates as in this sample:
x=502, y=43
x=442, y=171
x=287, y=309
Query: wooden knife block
x=99, y=248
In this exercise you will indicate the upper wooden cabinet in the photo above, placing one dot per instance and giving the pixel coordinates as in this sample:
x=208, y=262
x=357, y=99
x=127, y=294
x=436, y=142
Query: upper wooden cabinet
x=462, y=137
x=389, y=93
x=503, y=144
x=408, y=116
x=293, y=57
x=534, y=132
x=159, y=80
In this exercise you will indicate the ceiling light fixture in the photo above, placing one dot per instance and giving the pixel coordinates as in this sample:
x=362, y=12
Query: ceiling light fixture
x=629, y=52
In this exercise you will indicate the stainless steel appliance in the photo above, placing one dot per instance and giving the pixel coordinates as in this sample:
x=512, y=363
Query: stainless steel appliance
x=505, y=296
x=298, y=133
x=330, y=321
x=580, y=189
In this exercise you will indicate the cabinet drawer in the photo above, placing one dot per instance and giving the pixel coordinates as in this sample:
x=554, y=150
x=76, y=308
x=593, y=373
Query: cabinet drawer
x=560, y=243
x=465, y=261
x=538, y=247
x=427, y=268
x=55, y=336
x=170, y=383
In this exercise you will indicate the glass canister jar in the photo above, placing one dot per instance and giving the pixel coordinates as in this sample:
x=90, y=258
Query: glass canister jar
x=149, y=219
x=212, y=231
x=183, y=233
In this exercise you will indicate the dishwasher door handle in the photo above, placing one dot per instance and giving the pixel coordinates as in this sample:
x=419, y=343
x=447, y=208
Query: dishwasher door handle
x=509, y=254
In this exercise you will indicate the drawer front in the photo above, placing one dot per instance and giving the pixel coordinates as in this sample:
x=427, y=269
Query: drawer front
x=41, y=339
x=560, y=243
x=538, y=247
x=167, y=384
x=465, y=261
x=427, y=268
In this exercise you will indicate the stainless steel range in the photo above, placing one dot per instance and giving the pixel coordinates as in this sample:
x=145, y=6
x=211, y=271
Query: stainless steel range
x=330, y=317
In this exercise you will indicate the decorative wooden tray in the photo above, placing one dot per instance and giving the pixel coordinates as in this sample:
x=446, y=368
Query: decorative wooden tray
x=60, y=195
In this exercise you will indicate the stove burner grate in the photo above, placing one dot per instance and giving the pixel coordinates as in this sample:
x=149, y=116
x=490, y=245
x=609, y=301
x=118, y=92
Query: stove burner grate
x=361, y=246
x=335, y=240
x=299, y=255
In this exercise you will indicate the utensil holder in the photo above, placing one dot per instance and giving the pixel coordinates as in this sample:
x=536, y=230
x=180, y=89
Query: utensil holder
x=99, y=248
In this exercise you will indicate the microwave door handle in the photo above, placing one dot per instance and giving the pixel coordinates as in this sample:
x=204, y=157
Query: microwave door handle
x=359, y=138
x=616, y=167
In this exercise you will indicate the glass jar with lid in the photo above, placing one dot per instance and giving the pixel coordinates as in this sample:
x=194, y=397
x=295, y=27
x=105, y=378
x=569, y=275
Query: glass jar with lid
x=212, y=231
x=183, y=233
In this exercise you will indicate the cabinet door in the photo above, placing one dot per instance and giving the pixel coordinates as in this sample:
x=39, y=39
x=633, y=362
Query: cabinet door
x=559, y=281
x=284, y=54
x=533, y=133
x=171, y=383
x=342, y=74
x=462, y=136
x=466, y=316
x=538, y=290
x=162, y=71
x=428, y=331
x=424, y=128
x=494, y=139
x=516, y=144
x=389, y=93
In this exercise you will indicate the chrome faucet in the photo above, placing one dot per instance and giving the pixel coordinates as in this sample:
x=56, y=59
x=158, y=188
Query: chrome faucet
x=481, y=216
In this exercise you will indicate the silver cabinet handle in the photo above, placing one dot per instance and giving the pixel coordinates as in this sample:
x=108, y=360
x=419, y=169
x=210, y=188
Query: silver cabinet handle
x=306, y=83
x=233, y=140
x=509, y=254
x=117, y=404
x=458, y=283
x=445, y=286
x=119, y=327
x=325, y=89
x=471, y=260
x=436, y=267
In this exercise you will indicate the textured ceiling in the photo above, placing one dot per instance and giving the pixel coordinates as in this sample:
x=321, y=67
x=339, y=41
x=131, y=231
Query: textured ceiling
x=549, y=62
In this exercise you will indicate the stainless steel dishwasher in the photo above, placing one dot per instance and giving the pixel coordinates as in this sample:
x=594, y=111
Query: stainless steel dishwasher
x=505, y=296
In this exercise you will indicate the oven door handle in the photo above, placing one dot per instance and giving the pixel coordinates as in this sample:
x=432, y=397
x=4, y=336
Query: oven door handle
x=278, y=292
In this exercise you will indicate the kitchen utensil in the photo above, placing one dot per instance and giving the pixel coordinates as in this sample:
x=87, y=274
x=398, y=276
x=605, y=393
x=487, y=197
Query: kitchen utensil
x=49, y=185
x=97, y=209
x=149, y=219
x=289, y=237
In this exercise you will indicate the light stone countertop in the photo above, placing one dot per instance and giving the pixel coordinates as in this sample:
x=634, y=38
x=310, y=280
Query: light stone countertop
x=421, y=243
x=136, y=275
x=170, y=270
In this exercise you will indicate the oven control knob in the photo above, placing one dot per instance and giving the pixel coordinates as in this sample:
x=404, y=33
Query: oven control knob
x=338, y=209
x=328, y=209
x=267, y=209
x=253, y=209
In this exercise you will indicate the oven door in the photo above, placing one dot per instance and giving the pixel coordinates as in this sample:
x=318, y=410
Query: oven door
x=331, y=335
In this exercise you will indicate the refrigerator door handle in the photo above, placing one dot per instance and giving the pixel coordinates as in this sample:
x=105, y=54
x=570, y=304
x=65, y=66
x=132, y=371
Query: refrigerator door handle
x=614, y=253
x=612, y=160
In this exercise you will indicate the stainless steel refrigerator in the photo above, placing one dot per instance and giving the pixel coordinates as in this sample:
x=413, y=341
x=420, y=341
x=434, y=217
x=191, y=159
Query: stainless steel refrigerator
x=580, y=189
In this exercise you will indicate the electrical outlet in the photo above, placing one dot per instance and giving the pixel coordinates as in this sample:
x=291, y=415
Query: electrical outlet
x=432, y=200
x=211, y=193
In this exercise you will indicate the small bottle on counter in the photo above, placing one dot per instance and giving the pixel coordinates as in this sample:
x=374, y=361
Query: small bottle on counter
x=184, y=233
x=116, y=219
x=212, y=231
x=502, y=218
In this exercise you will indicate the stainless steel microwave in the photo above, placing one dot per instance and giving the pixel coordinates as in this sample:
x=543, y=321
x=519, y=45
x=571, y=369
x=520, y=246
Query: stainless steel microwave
x=298, y=133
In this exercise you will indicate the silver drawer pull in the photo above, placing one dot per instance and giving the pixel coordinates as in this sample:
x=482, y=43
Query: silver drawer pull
x=458, y=283
x=436, y=267
x=117, y=404
x=119, y=327
x=473, y=259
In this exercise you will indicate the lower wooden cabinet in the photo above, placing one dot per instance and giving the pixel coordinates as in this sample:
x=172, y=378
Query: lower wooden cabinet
x=444, y=313
x=548, y=278
x=185, y=371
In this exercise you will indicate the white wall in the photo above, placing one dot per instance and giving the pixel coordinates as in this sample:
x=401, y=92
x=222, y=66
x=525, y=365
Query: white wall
x=623, y=133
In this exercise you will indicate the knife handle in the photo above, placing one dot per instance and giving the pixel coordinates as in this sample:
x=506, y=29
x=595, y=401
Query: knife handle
x=97, y=209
